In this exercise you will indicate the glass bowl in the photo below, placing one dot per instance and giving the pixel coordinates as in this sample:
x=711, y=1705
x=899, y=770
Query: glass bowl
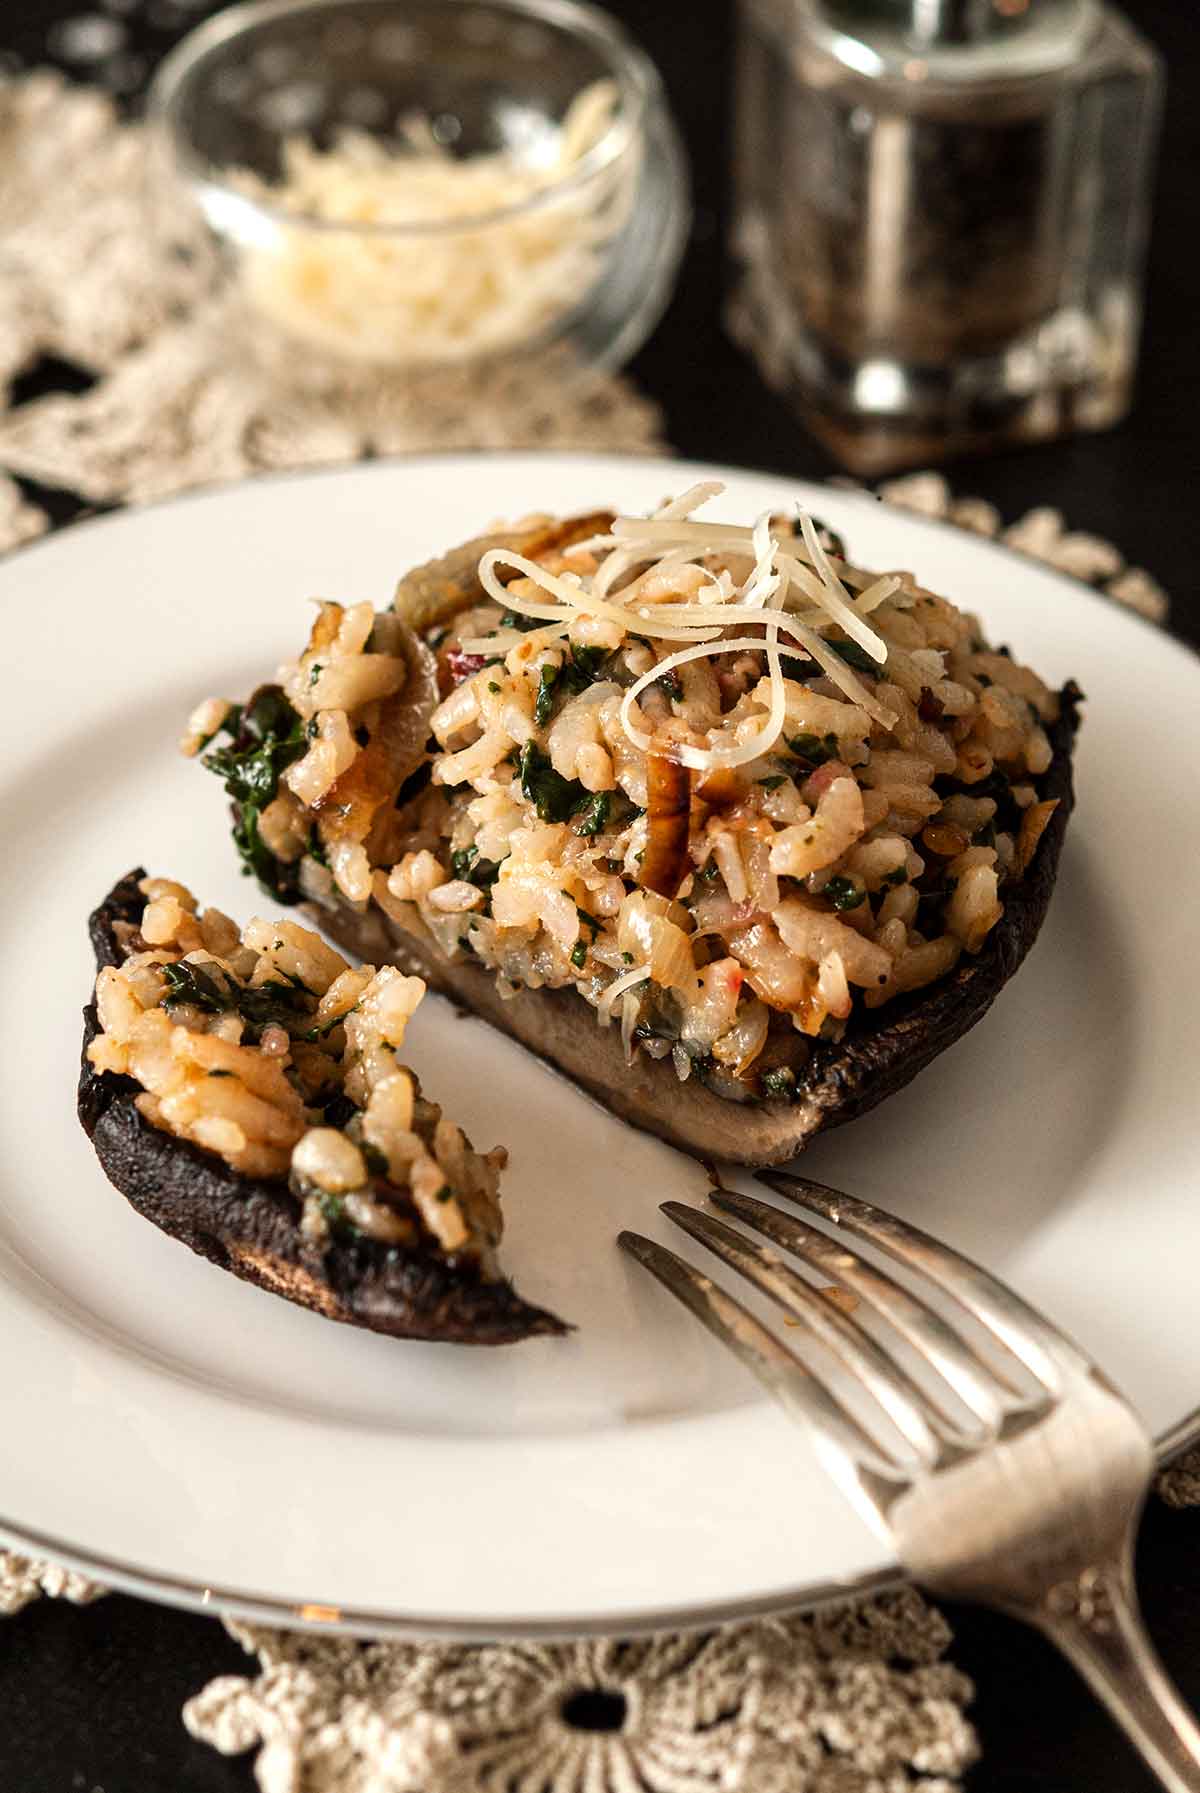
x=513, y=214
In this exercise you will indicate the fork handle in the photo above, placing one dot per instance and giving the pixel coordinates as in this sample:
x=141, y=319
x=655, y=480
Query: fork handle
x=1097, y=1623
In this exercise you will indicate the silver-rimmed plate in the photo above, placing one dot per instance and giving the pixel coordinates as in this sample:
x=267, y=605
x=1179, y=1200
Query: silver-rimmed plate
x=177, y=1433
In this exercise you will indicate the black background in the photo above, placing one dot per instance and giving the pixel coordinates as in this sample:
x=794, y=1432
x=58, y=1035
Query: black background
x=90, y=1698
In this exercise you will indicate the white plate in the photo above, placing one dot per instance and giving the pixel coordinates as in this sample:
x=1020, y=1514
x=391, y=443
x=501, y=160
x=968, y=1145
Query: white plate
x=186, y=1436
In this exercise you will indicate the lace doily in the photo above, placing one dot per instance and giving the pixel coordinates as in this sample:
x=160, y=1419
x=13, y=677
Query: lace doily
x=86, y=279
x=853, y=1699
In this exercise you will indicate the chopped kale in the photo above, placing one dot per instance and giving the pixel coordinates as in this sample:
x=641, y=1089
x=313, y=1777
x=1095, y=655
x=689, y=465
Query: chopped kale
x=779, y=1084
x=281, y=1001
x=815, y=749
x=326, y=1028
x=856, y=656
x=585, y=666
x=195, y=986
x=581, y=668
x=276, y=1002
x=266, y=737
x=471, y=869
x=555, y=798
x=333, y=1213
x=843, y=893
x=545, y=697
x=512, y=619
x=593, y=817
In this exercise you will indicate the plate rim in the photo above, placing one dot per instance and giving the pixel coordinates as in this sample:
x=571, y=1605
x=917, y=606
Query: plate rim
x=178, y=1591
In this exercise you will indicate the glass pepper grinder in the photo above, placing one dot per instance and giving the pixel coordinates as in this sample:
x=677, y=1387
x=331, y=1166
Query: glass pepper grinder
x=941, y=211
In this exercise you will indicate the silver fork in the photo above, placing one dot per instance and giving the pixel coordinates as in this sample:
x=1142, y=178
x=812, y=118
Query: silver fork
x=1005, y=1470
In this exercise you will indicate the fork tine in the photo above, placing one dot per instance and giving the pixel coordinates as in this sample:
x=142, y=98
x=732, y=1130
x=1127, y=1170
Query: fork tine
x=905, y=1404
x=780, y=1371
x=1018, y=1327
x=926, y=1331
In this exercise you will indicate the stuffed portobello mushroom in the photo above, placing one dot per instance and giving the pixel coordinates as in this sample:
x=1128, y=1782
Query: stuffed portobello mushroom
x=737, y=834
x=243, y=1091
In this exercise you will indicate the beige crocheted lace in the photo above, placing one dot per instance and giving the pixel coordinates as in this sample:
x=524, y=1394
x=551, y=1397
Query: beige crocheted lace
x=87, y=277
x=853, y=1699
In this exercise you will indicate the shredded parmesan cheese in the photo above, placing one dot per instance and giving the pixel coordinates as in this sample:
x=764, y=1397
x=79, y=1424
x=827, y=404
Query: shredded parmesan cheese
x=411, y=254
x=790, y=587
x=617, y=988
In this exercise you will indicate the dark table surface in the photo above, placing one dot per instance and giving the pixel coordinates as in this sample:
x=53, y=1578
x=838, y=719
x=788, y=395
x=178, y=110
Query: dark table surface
x=90, y=1698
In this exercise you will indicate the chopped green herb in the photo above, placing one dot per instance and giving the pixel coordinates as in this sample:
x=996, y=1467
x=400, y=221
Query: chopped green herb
x=709, y=874
x=897, y=875
x=590, y=921
x=773, y=783
x=672, y=684
x=265, y=738
x=220, y=1073
x=856, y=656
x=584, y=667
x=843, y=893
x=555, y=798
x=327, y=1027
x=628, y=958
x=778, y=1083
x=545, y=696
x=579, y=953
x=315, y=849
x=314, y=672
x=444, y=1193
x=275, y=1001
x=512, y=619
x=816, y=749
x=493, y=687
x=333, y=1213
x=593, y=817
x=189, y=984
x=471, y=869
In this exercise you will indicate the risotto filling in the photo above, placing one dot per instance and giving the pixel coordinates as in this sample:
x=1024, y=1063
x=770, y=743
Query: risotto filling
x=269, y=1050
x=724, y=784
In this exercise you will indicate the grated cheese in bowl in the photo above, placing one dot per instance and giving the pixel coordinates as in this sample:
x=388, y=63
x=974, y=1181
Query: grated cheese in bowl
x=407, y=254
